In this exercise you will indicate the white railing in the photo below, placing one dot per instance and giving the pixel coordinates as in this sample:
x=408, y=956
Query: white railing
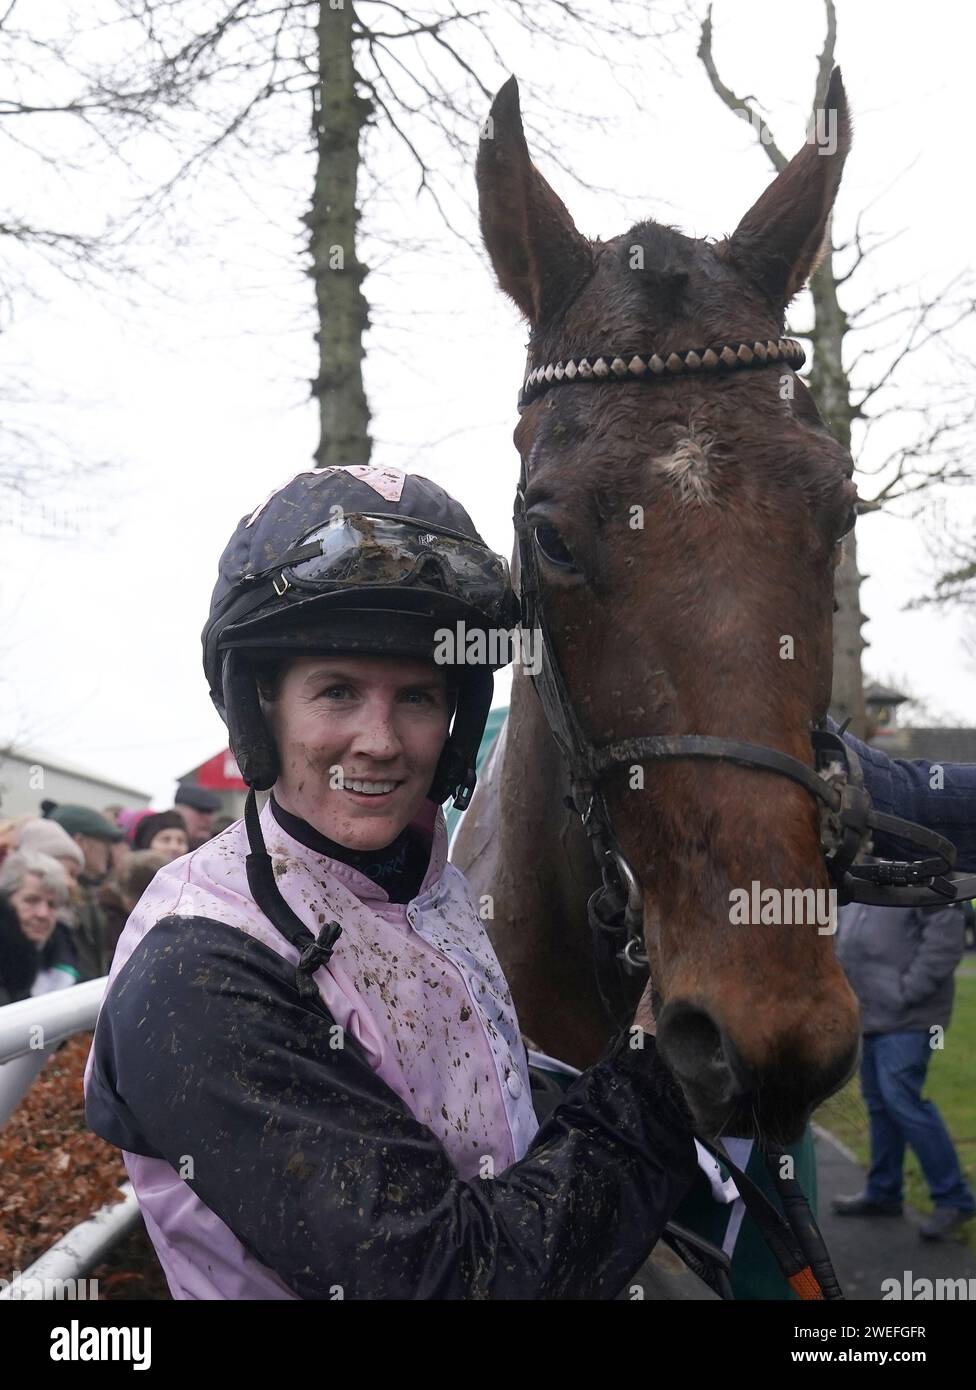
x=60, y=1270
x=30, y=1030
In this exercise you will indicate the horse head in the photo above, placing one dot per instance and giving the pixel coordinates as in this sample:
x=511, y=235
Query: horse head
x=686, y=531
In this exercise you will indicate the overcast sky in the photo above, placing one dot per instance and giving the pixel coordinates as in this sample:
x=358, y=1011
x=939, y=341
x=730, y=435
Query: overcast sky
x=191, y=377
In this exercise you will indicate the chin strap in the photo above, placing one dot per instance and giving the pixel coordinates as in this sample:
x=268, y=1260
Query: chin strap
x=313, y=951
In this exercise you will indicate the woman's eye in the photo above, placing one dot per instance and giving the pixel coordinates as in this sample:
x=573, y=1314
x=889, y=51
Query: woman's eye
x=549, y=541
x=333, y=692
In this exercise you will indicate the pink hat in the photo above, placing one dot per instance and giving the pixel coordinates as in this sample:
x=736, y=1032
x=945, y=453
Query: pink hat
x=129, y=818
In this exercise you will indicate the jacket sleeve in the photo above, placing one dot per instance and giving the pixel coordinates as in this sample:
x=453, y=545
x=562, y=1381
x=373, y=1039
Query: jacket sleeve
x=904, y=787
x=204, y=1049
x=939, y=952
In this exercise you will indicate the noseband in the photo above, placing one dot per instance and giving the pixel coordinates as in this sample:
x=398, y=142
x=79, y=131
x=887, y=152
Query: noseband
x=836, y=781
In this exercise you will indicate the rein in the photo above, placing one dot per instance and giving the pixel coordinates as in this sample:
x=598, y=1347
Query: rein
x=836, y=781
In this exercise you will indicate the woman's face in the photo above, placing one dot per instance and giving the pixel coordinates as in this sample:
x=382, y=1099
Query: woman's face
x=172, y=843
x=36, y=908
x=359, y=738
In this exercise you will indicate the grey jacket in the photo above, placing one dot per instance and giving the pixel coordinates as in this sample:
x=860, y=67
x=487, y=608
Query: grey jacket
x=900, y=962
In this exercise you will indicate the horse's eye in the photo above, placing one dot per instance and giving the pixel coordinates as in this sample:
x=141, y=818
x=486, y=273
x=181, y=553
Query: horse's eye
x=548, y=540
x=848, y=526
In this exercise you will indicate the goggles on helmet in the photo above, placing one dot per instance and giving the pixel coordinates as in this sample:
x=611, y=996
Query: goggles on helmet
x=382, y=551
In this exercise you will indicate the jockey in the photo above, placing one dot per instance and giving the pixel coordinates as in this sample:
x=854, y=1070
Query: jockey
x=307, y=1051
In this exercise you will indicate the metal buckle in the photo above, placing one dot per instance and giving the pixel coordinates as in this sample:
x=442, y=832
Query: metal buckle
x=633, y=957
x=284, y=585
x=635, y=896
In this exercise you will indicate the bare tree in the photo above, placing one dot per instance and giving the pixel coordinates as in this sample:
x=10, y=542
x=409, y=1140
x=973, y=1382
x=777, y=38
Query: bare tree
x=417, y=75
x=937, y=432
x=952, y=553
x=49, y=126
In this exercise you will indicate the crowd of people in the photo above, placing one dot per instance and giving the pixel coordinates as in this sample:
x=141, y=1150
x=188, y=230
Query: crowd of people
x=71, y=875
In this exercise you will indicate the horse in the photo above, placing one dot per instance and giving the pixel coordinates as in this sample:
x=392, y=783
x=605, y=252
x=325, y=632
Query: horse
x=683, y=514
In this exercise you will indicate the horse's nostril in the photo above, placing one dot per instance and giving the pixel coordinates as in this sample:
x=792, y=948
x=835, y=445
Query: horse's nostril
x=727, y=1094
x=692, y=1046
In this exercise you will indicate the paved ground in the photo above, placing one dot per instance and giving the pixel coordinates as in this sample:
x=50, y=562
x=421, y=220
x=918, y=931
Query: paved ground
x=867, y=1250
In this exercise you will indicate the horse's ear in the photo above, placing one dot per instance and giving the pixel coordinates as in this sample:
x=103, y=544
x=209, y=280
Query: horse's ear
x=535, y=249
x=783, y=237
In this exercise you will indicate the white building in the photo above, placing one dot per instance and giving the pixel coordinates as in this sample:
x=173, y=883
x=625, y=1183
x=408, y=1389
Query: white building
x=29, y=776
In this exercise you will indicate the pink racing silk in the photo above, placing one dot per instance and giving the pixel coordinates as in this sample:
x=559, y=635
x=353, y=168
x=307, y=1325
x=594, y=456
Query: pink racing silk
x=417, y=985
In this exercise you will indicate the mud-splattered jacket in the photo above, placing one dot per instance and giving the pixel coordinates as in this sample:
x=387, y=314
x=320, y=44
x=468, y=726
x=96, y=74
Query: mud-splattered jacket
x=378, y=1141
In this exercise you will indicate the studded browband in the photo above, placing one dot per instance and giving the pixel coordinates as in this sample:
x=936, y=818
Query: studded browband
x=723, y=357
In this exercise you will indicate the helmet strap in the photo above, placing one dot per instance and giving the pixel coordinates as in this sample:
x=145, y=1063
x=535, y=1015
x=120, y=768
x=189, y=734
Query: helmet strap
x=313, y=951
x=456, y=775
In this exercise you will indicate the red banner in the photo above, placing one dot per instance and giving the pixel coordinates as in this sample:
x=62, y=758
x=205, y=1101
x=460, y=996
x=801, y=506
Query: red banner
x=220, y=774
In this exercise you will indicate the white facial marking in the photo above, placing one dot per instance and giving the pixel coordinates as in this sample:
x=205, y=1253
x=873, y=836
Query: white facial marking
x=687, y=466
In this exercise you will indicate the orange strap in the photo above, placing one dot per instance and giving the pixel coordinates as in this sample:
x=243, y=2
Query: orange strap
x=804, y=1283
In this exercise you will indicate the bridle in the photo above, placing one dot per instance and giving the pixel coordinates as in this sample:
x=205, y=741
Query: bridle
x=835, y=780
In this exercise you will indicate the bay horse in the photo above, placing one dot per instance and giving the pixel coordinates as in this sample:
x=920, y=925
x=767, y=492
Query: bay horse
x=685, y=530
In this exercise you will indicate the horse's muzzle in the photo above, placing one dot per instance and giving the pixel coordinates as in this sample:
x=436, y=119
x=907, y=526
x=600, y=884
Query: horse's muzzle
x=727, y=1096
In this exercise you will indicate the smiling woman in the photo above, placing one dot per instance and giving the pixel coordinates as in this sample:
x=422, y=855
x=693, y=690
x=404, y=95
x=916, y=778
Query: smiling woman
x=307, y=1050
x=359, y=742
x=37, y=954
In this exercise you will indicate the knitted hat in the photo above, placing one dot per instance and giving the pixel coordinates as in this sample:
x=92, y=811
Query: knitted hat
x=48, y=837
x=148, y=828
x=129, y=818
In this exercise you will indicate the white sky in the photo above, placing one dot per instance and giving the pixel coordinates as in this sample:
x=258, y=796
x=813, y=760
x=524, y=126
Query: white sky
x=192, y=377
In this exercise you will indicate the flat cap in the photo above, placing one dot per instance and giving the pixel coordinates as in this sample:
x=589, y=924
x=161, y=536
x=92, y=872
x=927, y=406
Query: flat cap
x=82, y=820
x=189, y=794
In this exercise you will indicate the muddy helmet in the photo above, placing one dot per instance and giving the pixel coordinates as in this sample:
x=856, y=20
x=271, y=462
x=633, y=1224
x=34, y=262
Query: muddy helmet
x=358, y=560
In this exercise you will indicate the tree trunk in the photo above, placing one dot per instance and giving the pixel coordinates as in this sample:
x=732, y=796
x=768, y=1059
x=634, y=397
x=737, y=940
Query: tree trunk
x=343, y=317
x=831, y=389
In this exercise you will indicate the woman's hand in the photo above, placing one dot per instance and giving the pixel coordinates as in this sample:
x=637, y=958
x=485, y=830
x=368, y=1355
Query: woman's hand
x=644, y=1013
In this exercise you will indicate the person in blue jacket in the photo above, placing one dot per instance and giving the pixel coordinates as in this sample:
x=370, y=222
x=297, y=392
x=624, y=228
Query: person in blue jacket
x=938, y=796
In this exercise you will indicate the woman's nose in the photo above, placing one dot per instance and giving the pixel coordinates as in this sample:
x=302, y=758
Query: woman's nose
x=377, y=737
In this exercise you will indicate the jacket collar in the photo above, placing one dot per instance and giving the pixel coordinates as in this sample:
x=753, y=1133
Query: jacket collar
x=282, y=841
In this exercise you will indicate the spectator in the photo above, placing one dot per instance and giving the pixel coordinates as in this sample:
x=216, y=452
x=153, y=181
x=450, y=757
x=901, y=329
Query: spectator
x=37, y=953
x=9, y=835
x=48, y=837
x=198, y=807
x=95, y=836
x=139, y=871
x=130, y=817
x=900, y=962
x=121, y=850
x=165, y=832
x=969, y=917
x=119, y=895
